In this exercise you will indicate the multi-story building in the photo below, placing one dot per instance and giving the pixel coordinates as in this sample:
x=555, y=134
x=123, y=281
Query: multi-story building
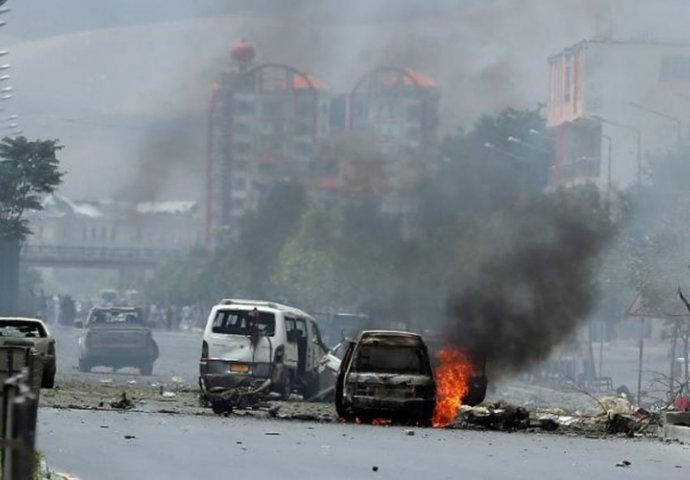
x=398, y=109
x=612, y=104
x=265, y=123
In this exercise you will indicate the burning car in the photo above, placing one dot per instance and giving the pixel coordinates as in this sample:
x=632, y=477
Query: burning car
x=477, y=383
x=386, y=374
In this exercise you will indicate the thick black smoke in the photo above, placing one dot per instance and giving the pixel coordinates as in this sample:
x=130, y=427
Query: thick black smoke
x=533, y=281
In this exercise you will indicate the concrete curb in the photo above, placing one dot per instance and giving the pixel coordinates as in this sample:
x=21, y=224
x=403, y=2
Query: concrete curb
x=677, y=433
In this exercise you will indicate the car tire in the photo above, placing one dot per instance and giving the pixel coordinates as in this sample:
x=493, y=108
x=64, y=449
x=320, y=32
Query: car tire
x=146, y=369
x=84, y=365
x=286, y=385
x=220, y=407
x=48, y=380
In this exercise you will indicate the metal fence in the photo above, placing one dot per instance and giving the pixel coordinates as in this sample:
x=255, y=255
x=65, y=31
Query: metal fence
x=20, y=372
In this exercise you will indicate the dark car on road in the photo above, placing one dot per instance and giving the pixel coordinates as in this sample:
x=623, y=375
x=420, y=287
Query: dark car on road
x=388, y=375
x=116, y=337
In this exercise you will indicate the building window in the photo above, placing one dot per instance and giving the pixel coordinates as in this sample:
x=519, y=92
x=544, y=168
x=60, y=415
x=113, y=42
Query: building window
x=242, y=147
x=568, y=80
x=242, y=128
x=414, y=134
x=241, y=165
x=303, y=148
x=244, y=107
x=413, y=112
x=272, y=108
x=302, y=129
x=675, y=69
x=304, y=108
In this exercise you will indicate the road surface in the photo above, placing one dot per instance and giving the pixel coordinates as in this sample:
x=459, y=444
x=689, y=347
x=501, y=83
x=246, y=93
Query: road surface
x=93, y=445
x=179, y=356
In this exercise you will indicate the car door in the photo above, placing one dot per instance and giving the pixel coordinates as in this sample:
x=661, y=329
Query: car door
x=291, y=354
x=315, y=347
x=340, y=406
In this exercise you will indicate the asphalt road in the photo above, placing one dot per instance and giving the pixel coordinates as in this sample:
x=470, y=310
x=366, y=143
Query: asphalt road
x=93, y=445
x=179, y=357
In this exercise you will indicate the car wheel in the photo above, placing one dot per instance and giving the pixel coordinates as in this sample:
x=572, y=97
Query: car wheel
x=146, y=369
x=48, y=380
x=286, y=385
x=84, y=365
x=220, y=407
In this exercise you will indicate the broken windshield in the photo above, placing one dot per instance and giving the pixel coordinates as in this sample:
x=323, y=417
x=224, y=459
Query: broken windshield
x=21, y=330
x=390, y=359
x=239, y=322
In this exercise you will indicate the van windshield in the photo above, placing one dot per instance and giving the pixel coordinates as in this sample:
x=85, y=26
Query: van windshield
x=390, y=359
x=239, y=322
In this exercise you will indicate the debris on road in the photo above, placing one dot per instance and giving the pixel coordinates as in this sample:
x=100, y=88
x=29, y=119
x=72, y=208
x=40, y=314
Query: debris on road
x=624, y=463
x=123, y=404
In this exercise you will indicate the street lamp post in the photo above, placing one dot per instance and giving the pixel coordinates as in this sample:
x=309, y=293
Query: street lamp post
x=677, y=121
x=638, y=136
x=608, y=174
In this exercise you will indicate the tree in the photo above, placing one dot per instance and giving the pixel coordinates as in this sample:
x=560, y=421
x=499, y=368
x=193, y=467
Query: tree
x=658, y=231
x=28, y=170
x=306, y=271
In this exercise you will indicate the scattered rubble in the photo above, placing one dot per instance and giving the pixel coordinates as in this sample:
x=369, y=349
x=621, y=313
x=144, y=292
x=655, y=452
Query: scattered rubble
x=123, y=404
x=595, y=418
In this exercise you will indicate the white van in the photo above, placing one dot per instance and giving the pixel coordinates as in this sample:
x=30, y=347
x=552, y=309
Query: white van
x=251, y=344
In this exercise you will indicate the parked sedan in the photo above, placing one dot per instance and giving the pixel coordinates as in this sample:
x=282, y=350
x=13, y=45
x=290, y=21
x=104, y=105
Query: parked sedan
x=386, y=375
x=31, y=332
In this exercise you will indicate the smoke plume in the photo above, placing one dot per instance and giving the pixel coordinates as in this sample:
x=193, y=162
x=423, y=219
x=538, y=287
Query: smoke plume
x=533, y=281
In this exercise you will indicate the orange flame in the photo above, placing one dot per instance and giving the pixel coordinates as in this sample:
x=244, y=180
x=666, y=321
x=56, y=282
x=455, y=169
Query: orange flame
x=452, y=384
x=382, y=422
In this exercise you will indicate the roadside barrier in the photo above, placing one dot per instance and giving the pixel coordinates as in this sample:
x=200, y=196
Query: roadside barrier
x=20, y=373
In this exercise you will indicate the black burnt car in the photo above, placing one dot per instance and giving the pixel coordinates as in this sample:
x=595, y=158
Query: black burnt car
x=386, y=374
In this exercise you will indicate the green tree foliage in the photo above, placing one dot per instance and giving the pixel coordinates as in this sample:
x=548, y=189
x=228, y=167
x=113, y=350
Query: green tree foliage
x=28, y=170
x=359, y=258
x=306, y=267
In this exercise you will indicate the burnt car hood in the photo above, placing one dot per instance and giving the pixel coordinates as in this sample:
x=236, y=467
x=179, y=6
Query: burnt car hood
x=390, y=379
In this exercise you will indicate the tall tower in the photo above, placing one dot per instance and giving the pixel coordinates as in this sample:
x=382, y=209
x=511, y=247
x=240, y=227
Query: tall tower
x=265, y=121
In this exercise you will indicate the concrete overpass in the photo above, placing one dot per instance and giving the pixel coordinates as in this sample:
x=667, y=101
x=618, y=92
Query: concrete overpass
x=96, y=257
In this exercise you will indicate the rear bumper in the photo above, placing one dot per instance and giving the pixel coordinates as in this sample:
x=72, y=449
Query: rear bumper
x=110, y=358
x=215, y=374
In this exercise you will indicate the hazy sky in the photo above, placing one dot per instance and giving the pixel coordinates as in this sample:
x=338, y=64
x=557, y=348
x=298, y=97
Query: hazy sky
x=132, y=97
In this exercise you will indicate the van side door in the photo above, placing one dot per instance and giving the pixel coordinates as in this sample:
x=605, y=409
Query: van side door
x=316, y=347
x=302, y=345
x=291, y=352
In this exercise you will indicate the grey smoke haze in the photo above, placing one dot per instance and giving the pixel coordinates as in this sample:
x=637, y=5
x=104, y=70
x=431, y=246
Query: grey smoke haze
x=533, y=281
x=111, y=93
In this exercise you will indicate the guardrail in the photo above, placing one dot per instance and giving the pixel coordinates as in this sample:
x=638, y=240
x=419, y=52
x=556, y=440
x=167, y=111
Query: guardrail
x=21, y=369
x=61, y=255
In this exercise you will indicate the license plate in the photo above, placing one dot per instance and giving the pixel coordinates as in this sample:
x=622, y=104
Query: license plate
x=239, y=368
